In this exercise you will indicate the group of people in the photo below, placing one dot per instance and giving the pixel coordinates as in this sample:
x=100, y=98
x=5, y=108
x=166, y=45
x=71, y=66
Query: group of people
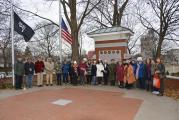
x=126, y=74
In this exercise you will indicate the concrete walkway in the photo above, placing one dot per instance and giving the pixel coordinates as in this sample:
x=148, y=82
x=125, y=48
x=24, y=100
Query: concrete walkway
x=152, y=108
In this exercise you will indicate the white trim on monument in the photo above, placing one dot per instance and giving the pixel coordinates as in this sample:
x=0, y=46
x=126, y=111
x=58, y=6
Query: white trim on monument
x=119, y=44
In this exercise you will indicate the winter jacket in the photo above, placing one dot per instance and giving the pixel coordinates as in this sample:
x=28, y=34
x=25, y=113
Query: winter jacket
x=106, y=69
x=82, y=68
x=39, y=66
x=112, y=71
x=19, y=68
x=49, y=67
x=148, y=71
x=100, y=70
x=65, y=68
x=130, y=75
x=93, y=70
x=29, y=68
x=89, y=69
x=120, y=73
x=140, y=71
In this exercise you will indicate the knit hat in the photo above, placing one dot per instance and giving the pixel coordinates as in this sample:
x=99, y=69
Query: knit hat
x=139, y=59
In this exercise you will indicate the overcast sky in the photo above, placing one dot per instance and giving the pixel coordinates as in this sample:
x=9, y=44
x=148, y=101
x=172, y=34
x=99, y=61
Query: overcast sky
x=49, y=10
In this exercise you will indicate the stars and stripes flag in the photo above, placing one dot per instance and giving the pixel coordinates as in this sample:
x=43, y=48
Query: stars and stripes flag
x=64, y=32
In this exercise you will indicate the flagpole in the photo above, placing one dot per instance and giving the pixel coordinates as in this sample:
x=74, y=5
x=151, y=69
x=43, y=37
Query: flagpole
x=60, y=38
x=12, y=41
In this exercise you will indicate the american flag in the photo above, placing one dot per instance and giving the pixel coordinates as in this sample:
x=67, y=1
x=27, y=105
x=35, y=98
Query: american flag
x=65, y=34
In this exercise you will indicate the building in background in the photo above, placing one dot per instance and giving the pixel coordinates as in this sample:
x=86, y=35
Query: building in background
x=111, y=42
x=148, y=45
x=172, y=56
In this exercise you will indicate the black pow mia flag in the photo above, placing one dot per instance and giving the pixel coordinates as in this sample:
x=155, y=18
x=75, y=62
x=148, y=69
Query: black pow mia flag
x=22, y=28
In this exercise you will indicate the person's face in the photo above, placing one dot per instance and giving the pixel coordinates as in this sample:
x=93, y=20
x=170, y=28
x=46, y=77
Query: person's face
x=148, y=61
x=39, y=58
x=120, y=63
x=19, y=59
x=158, y=60
x=29, y=60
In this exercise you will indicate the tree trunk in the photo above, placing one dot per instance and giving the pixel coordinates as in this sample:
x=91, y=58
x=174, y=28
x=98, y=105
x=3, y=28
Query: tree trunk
x=74, y=31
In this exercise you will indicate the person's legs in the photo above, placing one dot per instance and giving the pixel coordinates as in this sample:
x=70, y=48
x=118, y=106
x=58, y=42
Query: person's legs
x=105, y=79
x=41, y=78
x=20, y=82
x=47, y=79
x=58, y=78
x=31, y=79
x=16, y=81
x=161, y=90
x=51, y=78
x=66, y=78
x=27, y=81
x=38, y=79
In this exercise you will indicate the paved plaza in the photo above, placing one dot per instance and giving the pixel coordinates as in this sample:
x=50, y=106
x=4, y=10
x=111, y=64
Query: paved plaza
x=85, y=103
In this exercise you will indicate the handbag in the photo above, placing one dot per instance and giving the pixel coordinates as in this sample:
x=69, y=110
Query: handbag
x=156, y=81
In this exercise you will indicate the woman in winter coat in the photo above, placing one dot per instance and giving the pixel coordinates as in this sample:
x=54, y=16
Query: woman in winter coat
x=160, y=70
x=130, y=77
x=140, y=73
x=148, y=75
x=99, y=72
x=120, y=74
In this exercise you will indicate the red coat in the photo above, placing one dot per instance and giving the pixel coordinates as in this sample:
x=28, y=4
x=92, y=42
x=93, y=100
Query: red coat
x=82, y=67
x=39, y=66
x=120, y=73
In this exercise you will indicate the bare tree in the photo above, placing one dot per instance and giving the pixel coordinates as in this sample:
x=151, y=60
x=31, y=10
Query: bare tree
x=46, y=40
x=75, y=22
x=165, y=22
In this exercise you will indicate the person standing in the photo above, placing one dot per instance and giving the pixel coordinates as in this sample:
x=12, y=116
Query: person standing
x=89, y=78
x=112, y=72
x=65, y=71
x=39, y=69
x=153, y=66
x=82, y=72
x=58, y=69
x=99, y=72
x=106, y=72
x=74, y=73
x=140, y=73
x=120, y=74
x=160, y=70
x=19, y=72
x=130, y=78
x=148, y=75
x=29, y=68
x=49, y=69
x=93, y=73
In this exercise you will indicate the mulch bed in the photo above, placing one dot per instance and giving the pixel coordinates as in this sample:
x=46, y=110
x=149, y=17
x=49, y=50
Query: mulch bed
x=172, y=88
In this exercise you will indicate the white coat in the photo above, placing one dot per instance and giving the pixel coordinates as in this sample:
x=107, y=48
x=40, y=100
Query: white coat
x=100, y=68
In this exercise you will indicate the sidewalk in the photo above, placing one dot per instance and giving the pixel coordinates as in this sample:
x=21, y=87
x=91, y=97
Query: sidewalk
x=152, y=107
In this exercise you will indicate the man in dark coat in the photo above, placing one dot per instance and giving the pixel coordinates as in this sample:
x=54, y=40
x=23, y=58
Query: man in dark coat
x=106, y=72
x=29, y=68
x=19, y=72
